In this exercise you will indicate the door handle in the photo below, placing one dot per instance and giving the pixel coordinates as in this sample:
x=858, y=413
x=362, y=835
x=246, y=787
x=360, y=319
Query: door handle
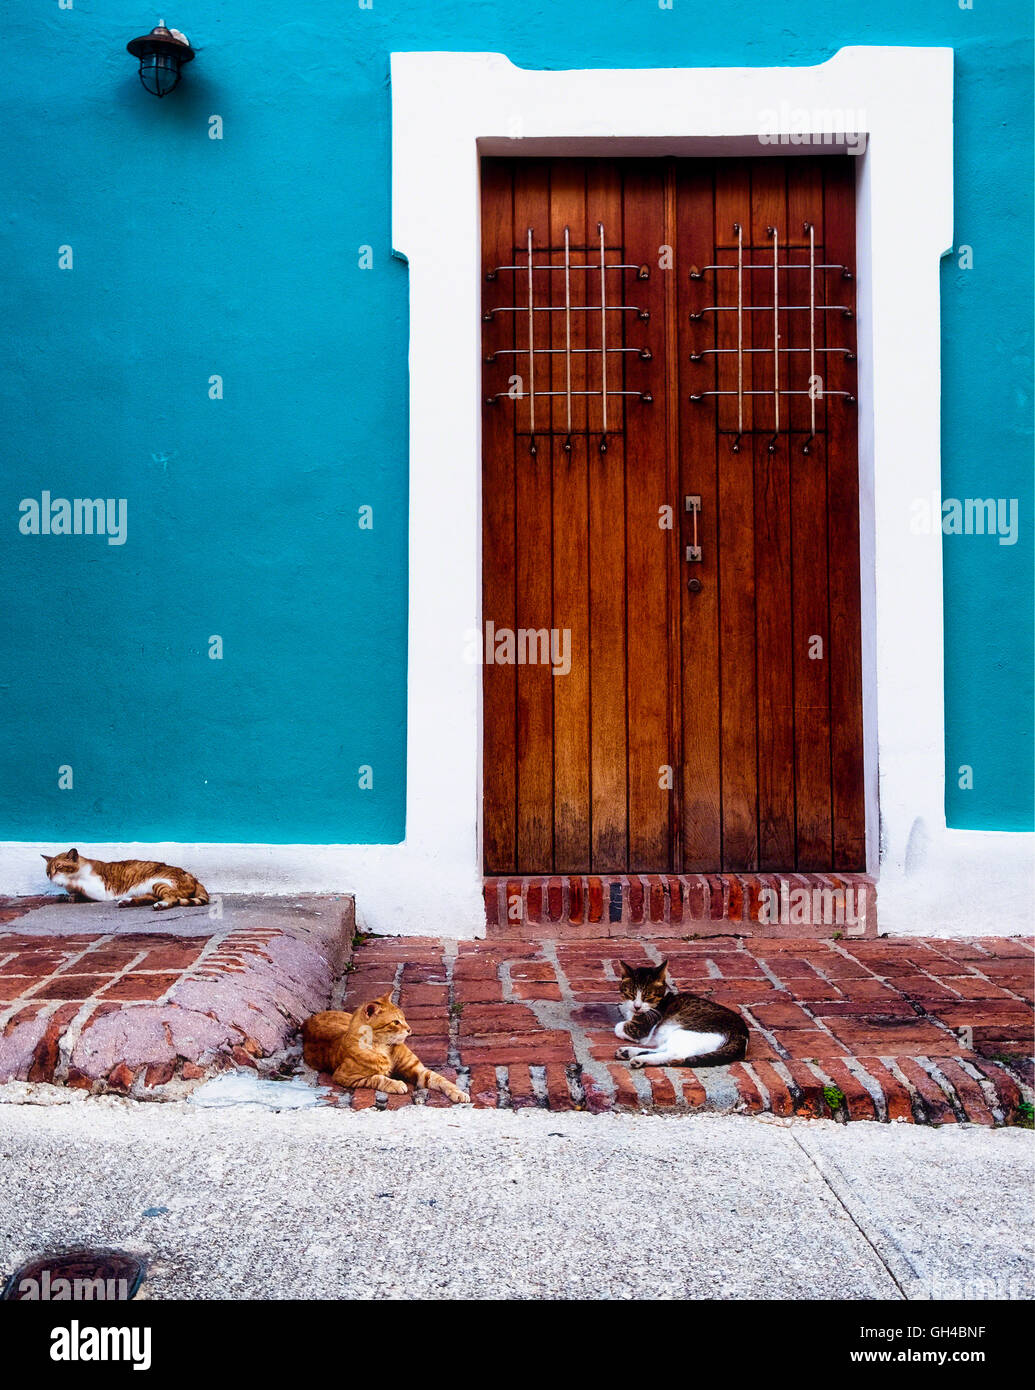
x=693, y=552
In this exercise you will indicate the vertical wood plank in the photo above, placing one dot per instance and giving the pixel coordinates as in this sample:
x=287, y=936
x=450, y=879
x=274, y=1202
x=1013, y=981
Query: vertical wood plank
x=673, y=518
x=808, y=508
x=732, y=206
x=773, y=549
x=804, y=204
x=737, y=571
x=648, y=546
x=499, y=768
x=571, y=694
x=843, y=513
x=699, y=452
x=533, y=548
x=609, y=847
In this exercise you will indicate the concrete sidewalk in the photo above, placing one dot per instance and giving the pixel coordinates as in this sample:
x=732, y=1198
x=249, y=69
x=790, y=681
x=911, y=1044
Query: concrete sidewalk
x=465, y=1204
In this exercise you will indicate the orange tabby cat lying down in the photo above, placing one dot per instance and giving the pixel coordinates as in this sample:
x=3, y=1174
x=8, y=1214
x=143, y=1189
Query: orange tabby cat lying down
x=127, y=882
x=367, y=1049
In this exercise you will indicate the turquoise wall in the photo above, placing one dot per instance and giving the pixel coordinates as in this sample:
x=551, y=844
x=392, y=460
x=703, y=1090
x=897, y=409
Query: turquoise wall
x=195, y=257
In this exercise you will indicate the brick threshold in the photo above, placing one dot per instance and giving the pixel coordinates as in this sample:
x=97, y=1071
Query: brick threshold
x=587, y=906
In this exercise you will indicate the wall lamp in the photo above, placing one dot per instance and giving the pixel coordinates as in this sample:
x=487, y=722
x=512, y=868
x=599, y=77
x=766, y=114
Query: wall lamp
x=162, y=53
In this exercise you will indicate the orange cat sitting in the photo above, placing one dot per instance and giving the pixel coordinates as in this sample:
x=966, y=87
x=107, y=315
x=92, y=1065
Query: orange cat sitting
x=367, y=1049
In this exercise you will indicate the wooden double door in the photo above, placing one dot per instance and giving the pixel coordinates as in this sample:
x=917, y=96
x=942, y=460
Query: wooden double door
x=671, y=586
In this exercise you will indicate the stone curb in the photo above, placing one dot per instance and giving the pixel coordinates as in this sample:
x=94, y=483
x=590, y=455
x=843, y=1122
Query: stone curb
x=234, y=997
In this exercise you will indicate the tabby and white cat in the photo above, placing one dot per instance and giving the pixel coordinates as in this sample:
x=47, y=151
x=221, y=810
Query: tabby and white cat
x=367, y=1049
x=670, y=1029
x=126, y=882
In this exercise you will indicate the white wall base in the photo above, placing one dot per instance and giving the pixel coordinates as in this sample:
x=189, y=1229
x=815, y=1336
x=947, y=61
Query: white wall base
x=398, y=892
x=958, y=883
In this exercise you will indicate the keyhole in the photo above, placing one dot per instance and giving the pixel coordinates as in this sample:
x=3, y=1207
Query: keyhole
x=694, y=585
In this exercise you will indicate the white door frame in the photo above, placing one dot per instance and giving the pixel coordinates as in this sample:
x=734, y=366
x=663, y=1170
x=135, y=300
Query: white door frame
x=447, y=110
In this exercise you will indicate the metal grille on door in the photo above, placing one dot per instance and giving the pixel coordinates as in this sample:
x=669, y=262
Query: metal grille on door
x=575, y=383
x=798, y=370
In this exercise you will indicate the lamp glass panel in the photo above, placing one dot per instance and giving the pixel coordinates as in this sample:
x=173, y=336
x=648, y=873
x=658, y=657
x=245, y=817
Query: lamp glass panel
x=159, y=73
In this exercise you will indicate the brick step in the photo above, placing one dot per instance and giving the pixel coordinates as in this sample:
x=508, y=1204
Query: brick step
x=585, y=906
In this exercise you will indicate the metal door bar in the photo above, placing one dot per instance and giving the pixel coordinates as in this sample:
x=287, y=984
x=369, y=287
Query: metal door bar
x=759, y=308
x=544, y=250
x=740, y=330
x=567, y=323
x=603, y=332
x=531, y=340
x=698, y=274
x=702, y=395
x=776, y=335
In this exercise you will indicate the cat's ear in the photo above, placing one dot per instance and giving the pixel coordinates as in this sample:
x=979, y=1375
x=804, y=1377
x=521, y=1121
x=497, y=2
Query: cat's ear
x=45, y=857
x=385, y=998
x=371, y=1009
x=72, y=854
x=626, y=967
x=662, y=969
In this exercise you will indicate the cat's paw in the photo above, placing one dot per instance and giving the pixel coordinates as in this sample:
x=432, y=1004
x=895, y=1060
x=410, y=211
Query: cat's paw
x=394, y=1088
x=620, y=1030
x=623, y=1053
x=459, y=1097
x=638, y=1062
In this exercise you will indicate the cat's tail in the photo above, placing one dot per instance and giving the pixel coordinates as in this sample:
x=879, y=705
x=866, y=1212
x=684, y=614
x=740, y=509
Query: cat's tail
x=732, y=1050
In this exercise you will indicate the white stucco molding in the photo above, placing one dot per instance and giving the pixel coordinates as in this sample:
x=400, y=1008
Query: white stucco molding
x=446, y=108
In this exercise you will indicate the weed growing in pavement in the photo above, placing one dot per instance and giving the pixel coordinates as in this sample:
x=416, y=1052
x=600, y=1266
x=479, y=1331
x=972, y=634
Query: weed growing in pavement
x=834, y=1097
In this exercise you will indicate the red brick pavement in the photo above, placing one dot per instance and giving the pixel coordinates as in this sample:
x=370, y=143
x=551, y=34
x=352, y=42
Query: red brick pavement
x=929, y=1031
x=932, y=1031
